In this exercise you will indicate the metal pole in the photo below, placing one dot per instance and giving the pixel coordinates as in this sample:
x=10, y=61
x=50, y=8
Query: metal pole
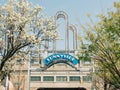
x=6, y=84
x=93, y=77
x=29, y=72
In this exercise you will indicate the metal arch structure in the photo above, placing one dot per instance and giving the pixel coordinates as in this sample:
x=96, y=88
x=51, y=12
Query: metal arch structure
x=68, y=27
x=62, y=14
x=74, y=30
x=58, y=15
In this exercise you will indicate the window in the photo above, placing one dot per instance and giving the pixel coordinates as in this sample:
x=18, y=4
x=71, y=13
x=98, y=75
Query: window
x=35, y=78
x=74, y=78
x=61, y=78
x=35, y=61
x=20, y=61
x=87, y=62
x=87, y=78
x=48, y=78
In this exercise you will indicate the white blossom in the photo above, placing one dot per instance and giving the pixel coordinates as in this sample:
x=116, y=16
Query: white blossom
x=20, y=25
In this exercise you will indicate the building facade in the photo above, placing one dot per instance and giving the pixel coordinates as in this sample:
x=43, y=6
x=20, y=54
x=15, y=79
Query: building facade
x=62, y=75
x=60, y=68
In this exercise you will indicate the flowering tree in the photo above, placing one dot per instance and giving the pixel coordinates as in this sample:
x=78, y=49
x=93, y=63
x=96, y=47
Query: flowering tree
x=21, y=24
x=104, y=48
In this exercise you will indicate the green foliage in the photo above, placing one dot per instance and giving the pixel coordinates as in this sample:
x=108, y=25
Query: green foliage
x=104, y=46
x=84, y=53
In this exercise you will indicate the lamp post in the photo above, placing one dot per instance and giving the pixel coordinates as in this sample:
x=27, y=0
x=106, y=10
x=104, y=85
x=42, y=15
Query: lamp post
x=29, y=71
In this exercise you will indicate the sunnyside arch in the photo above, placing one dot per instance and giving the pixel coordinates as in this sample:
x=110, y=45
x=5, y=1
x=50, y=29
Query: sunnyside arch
x=60, y=61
